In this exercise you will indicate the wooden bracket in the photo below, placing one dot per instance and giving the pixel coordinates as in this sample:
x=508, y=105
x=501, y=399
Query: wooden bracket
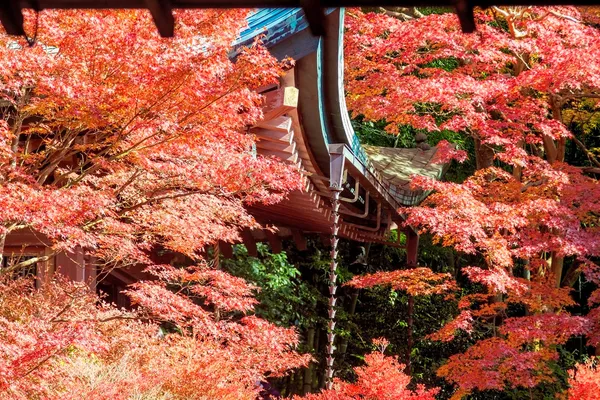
x=274, y=241
x=299, y=239
x=464, y=11
x=12, y=18
x=250, y=243
x=279, y=102
x=280, y=124
x=163, y=16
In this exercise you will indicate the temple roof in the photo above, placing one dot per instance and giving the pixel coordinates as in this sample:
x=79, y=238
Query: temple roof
x=307, y=124
x=398, y=165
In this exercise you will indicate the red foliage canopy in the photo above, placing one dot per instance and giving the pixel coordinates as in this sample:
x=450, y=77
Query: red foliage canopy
x=119, y=141
x=503, y=87
x=381, y=378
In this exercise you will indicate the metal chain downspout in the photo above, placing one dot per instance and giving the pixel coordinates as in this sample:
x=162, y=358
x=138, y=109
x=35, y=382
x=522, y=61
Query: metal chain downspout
x=335, y=205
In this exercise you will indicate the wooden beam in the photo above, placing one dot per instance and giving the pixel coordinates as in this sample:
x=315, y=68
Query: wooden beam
x=267, y=88
x=274, y=136
x=412, y=247
x=12, y=18
x=292, y=158
x=250, y=243
x=274, y=241
x=314, y=14
x=226, y=249
x=277, y=146
x=299, y=239
x=279, y=102
x=162, y=16
x=279, y=124
x=123, y=276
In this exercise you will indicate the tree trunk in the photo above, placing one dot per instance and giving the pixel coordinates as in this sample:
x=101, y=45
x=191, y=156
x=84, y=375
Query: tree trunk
x=522, y=63
x=287, y=387
x=14, y=146
x=556, y=266
x=556, y=104
x=527, y=275
x=291, y=384
x=409, y=340
x=553, y=151
x=572, y=274
x=484, y=155
x=319, y=378
x=309, y=371
x=2, y=242
x=345, y=340
x=299, y=382
x=517, y=170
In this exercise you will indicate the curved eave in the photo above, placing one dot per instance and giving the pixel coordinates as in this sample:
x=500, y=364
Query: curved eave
x=338, y=120
x=322, y=120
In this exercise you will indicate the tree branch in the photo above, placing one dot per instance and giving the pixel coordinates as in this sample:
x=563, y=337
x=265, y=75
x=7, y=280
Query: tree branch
x=26, y=263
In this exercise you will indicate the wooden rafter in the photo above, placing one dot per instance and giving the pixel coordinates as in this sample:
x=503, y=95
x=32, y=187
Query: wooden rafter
x=12, y=18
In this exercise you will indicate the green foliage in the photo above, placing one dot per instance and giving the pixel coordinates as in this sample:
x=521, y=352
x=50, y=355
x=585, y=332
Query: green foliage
x=439, y=113
x=285, y=299
x=373, y=133
x=435, y=10
x=583, y=119
x=448, y=64
x=499, y=23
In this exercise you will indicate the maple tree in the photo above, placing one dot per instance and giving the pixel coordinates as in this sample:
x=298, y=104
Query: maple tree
x=120, y=142
x=416, y=281
x=65, y=343
x=584, y=381
x=525, y=209
x=382, y=377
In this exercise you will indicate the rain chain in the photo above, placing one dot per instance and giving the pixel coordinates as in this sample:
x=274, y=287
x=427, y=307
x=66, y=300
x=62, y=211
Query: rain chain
x=335, y=205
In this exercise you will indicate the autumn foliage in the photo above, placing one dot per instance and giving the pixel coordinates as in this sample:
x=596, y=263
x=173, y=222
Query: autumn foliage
x=504, y=88
x=584, y=381
x=123, y=145
x=121, y=142
x=381, y=378
x=66, y=343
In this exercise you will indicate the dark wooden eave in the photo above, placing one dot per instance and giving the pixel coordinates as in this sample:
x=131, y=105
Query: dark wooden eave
x=161, y=10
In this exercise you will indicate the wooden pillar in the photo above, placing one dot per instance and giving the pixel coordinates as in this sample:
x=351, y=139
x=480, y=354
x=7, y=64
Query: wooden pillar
x=299, y=239
x=412, y=251
x=45, y=269
x=71, y=265
x=250, y=243
x=412, y=247
x=226, y=249
x=274, y=241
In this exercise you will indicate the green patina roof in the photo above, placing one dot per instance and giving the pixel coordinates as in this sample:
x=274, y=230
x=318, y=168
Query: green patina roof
x=397, y=165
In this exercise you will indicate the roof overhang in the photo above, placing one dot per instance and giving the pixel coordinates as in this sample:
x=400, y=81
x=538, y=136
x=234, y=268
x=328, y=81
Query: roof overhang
x=161, y=10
